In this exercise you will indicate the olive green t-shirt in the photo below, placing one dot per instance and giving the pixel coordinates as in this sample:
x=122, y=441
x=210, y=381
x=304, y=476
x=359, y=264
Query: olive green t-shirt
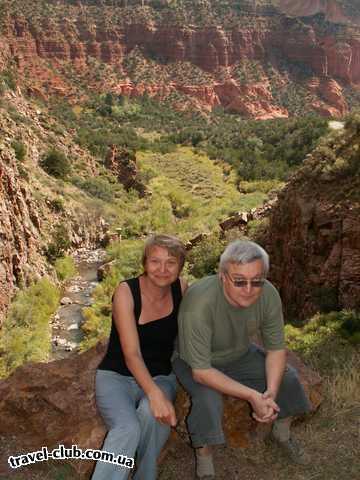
x=212, y=332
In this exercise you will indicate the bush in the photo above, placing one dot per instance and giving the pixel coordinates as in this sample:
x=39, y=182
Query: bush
x=98, y=187
x=60, y=244
x=57, y=205
x=56, y=163
x=26, y=332
x=20, y=150
x=65, y=268
x=204, y=258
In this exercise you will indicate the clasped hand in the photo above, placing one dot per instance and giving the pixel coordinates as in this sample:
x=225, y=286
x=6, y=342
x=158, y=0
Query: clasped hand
x=265, y=409
x=162, y=409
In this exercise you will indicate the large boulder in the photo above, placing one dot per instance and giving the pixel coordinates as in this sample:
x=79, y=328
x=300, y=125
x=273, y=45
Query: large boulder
x=49, y=404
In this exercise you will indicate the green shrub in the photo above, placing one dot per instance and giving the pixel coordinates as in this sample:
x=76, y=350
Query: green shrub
x=322, y=328
x=57, y=205
x=20, y=150
x=350, y=325
x=65, y=268
x=204, y=258
x=8, y=78
x=56, y=163
x=96, y=187
x=264, y=186
x=59, y=245
x=26, y=332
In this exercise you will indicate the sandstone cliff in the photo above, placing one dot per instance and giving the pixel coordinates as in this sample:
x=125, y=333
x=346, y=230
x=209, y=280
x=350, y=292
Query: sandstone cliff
x=240, y=59
x=314, y=234
x=30, y=207
x=333, y=10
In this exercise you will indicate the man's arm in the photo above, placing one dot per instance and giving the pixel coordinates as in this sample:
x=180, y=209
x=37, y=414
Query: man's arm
x=265, y=408
x=275, y=364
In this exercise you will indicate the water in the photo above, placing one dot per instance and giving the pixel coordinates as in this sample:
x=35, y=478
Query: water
x=66, y=327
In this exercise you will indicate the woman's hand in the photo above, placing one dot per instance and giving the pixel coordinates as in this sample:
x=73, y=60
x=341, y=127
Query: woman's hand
x=162, y=409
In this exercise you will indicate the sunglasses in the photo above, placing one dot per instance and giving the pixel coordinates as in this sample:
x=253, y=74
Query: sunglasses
x=255, y=283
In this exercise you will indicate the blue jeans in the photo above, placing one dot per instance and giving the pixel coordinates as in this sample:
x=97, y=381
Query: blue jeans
x=132, y=429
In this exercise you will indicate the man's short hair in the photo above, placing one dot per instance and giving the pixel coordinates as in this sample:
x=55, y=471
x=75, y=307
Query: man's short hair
x=241, y=252
x=173, y=245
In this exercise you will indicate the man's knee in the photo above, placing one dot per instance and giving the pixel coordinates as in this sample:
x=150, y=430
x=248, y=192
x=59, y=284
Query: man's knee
x=290, y=379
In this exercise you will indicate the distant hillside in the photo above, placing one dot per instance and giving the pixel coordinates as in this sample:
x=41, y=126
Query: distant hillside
x=260, y=59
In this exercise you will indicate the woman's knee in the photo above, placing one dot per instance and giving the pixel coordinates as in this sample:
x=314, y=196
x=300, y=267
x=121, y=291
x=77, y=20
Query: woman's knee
x=126, y=429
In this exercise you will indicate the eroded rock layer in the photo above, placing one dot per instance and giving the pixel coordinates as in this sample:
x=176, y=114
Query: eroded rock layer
x=147, y=54
x=314, y=236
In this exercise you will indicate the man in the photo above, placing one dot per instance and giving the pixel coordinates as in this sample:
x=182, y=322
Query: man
x=218, y=316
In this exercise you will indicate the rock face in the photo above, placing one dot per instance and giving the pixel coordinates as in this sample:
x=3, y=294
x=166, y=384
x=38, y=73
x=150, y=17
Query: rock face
x=20, y=232
x=30, y=213
x=122, y=163
x=332, y=10
x=52, y=404
x=84, y=40
x=314, y=232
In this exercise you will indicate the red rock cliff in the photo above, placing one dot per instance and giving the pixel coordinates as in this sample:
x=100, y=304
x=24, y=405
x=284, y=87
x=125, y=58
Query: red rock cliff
x=79, y=39
x=314, y=237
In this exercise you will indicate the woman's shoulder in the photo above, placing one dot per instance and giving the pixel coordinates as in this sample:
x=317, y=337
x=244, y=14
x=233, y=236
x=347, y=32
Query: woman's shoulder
x=125, y=289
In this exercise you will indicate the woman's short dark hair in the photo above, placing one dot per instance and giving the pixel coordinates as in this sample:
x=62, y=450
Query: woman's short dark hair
x=172, y=244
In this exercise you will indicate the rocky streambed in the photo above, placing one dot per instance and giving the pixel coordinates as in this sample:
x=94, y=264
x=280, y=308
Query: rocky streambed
x=66, y=324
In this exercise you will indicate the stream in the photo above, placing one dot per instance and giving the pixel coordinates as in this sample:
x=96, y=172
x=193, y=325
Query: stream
x=66, y=324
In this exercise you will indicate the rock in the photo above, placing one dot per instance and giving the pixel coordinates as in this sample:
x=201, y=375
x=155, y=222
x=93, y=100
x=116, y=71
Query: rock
x=332, y=10
x=66, y=301
x=73, y=326
x=19, y=232
x=314, y=235
x=48, y=404
x=122, y=163
x=240, y=218
x=104, y=270
x=268, y=36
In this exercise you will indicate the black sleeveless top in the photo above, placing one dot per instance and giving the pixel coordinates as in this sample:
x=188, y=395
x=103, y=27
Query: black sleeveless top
x=156, y=337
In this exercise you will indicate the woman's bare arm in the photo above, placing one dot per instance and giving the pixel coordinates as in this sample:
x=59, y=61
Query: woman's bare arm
x=123, y=315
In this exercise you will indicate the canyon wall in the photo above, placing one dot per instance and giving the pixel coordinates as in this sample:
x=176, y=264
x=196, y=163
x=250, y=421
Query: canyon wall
x=217, y=50
x=314, y=232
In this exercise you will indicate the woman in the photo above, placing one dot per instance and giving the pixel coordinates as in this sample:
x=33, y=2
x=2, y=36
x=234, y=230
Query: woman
x=135, y=386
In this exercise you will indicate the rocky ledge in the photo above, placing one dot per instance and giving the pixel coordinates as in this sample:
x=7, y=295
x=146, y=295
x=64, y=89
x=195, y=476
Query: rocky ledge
x=52, y=404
